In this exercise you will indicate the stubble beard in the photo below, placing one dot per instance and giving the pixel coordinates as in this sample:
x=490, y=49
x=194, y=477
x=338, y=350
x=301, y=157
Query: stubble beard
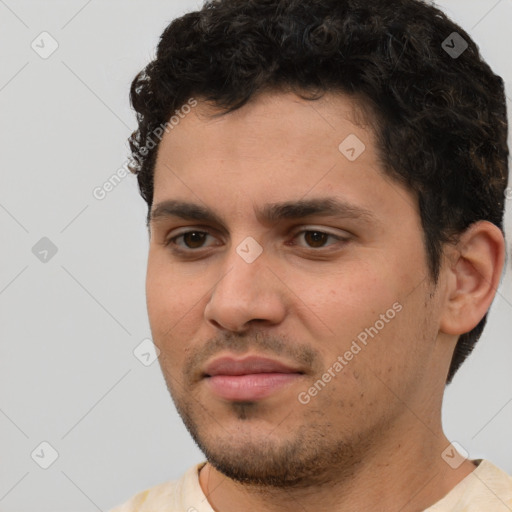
x=312, y=455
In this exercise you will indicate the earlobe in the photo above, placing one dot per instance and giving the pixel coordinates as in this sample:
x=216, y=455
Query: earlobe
x=474, y=275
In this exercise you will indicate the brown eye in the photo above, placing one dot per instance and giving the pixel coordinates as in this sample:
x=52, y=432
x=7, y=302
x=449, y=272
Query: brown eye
x=194, y=239
x=188, y=241
x=315, y=238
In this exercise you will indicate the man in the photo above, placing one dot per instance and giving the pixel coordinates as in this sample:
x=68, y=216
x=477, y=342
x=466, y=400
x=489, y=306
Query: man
x=325, y=184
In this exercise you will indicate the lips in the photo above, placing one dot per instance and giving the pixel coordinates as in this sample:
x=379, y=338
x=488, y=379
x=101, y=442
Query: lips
x=249, y=365
x=249, y=379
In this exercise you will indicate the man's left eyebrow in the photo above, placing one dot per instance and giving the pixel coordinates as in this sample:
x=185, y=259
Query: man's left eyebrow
x=325, y=207
x=269, y=214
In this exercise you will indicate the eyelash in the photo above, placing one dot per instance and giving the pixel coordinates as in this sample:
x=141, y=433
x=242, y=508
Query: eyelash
x=171, y=242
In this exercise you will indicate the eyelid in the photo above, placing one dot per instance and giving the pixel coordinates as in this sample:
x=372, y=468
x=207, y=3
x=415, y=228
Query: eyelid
x=340, y=238
x=302, y=228
x=321, y=229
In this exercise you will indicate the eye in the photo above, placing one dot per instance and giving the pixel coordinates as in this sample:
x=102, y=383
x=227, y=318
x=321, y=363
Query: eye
x=193, y=239
x=316, y=239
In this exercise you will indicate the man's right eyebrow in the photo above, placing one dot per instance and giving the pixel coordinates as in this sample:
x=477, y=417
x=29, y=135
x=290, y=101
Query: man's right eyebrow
x=183, y=210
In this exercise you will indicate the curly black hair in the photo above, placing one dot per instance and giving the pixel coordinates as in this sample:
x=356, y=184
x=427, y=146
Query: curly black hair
x=439, y=112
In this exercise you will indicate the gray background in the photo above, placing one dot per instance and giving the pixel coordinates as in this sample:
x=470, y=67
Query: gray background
x=69, y=326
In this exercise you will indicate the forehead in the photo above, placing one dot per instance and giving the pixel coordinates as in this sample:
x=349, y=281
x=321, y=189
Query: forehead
x=278, y=147
x=272, y=126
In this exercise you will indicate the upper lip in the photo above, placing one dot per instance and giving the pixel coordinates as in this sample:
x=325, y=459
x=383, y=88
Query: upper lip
x=246, y=366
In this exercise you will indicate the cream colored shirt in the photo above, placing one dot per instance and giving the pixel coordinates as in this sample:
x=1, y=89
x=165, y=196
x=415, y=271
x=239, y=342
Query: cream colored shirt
x=486, y=489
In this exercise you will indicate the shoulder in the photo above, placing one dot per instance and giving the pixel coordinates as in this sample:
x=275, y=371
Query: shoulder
x=159, y=497
x=168, y=496
x=494, y=483
x=487, y=488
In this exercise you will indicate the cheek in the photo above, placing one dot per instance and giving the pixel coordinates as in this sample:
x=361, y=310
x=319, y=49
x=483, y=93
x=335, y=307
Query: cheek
x=348, y=302
x=159, y=295
x=167, y=304
x=165, y=287
x=372, y=320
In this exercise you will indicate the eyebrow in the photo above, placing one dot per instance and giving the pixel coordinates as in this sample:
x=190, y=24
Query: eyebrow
x=270, y=213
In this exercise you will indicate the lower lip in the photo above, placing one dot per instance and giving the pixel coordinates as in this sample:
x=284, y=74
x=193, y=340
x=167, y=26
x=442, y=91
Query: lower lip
x=250, y=387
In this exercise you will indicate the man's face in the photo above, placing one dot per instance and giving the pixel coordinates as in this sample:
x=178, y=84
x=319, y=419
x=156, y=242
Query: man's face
x=290, y=344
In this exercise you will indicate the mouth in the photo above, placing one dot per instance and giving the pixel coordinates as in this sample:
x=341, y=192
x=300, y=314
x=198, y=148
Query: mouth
x=249, y=379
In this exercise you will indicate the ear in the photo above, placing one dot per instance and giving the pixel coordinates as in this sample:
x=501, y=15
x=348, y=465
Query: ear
x=473, y=272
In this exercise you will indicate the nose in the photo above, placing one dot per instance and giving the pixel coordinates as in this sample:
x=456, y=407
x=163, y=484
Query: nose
x=246, y=294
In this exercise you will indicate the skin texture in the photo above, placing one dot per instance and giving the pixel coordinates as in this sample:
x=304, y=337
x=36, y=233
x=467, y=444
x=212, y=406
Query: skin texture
x=373, y=435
